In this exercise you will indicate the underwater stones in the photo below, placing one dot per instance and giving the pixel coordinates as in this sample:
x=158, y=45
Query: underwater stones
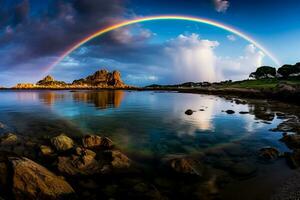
x=243, y=169
x=118, y=159
x=269, y=153
x=62, y=142
x=29, y=180
x=83, y=162
x=184, y=165
x=95, y=141
x=189, y=112
x=229, y=112
x=9, y=139
x=91, y=141
x=46, y=150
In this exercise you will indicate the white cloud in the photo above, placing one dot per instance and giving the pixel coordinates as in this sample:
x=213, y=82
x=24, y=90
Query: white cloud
x=221, y=5
x=192, y=59
x=231, y=37
x=240, y=68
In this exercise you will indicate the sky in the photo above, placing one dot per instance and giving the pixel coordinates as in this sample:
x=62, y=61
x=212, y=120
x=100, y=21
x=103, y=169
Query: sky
x=34, y=33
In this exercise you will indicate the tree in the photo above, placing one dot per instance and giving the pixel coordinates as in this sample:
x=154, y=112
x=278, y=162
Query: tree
x=263, y=72
x=288, y=70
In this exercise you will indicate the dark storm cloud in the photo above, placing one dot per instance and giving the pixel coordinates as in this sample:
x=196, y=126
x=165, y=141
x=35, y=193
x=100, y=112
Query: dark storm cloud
x=28, y=32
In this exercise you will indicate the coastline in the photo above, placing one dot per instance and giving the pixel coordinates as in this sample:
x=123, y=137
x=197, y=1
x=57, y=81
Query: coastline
x=285, y=94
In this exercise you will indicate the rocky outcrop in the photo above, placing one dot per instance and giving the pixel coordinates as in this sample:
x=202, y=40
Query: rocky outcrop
x=28, y=180
x=50, y=81
x=102, y=78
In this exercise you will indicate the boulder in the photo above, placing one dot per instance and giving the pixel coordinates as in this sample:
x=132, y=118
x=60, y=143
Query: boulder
x=62, y=142
x=269, y=153
x=29, y=180
x=9, y=139
x=95, y=141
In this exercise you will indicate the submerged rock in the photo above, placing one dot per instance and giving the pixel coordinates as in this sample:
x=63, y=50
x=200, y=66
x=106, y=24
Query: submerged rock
x=189, y=112
x=95, y=141
x=62, y=142
x=269, y=153
x=119, y=160
x=9, y=139
x=243, y=169
x=81, y=163
x=230, y=112
x=46, y=150
x=184, y=165
x=29, y=180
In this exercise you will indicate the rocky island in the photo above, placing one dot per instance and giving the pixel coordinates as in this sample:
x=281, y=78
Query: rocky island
x=101, y=79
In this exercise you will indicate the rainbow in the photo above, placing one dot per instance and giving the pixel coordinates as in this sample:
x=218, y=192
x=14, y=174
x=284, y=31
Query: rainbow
x=164, y=17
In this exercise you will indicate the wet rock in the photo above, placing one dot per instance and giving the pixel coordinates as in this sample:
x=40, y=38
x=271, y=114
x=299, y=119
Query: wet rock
x=62, y=142
x=9, y=139
x=95, y=141
x=269, y=153
x=290, y=125
x=184, y=165
x=118, y=159
x=243, y=169
x=291, y=140
x=244, y=112
x=189, y=112
x=46, y=150
x=239, y=101
x=82, y=164
x=29, y=180
x=230, y=112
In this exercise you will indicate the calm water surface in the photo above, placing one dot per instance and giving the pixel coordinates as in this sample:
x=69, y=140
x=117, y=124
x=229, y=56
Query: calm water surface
x=143, y=123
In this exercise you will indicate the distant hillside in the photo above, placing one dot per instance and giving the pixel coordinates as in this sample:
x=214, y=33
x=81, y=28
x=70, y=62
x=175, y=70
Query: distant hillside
x=100, y=79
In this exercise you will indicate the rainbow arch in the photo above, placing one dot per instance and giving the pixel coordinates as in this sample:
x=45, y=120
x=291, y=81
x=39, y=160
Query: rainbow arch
x=164, y=17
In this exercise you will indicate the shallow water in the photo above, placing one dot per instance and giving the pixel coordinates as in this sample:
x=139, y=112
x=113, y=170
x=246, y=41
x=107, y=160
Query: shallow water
x=148, y=125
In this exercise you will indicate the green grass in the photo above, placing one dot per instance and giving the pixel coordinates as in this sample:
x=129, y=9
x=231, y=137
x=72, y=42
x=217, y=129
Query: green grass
x=260, y=84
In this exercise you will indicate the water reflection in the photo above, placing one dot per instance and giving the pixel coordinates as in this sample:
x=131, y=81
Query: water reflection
x=102, y=100
x=50, y=97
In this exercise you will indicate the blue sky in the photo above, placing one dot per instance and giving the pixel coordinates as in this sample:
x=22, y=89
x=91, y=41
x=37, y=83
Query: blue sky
x=34, y=33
